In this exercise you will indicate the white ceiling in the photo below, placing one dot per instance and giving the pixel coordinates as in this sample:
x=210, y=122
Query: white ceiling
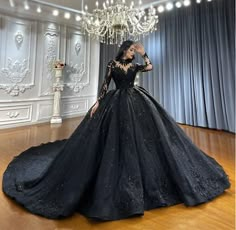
x=77, y=4
x=63, y=5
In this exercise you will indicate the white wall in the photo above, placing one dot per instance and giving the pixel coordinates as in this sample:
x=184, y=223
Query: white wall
x=27, y=50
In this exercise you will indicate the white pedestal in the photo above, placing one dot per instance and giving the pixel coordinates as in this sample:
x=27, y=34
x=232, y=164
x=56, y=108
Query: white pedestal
x=58, y=87
x=56, y=120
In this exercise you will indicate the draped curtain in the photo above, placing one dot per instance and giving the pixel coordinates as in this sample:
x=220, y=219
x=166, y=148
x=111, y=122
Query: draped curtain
x=193, y=55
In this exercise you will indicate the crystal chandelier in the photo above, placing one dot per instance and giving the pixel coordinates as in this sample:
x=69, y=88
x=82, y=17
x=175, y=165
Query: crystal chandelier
x=117, y=22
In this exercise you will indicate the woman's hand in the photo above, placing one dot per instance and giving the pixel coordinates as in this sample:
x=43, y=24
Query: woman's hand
x=139, y=48
x=94, y=108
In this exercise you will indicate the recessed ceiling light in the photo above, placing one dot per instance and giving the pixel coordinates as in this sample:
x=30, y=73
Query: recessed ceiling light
x=39, y=10
x=160, y=9
x=67, y=15
x=55, y=12
x=26, y=5
x=169, y=6
x=187, y=2
x=178, y=4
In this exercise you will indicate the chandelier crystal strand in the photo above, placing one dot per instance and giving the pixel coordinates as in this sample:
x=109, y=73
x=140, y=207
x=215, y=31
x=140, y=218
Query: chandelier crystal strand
x=117, y=22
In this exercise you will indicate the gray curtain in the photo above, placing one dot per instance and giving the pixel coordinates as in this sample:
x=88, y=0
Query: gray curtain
x=193, y=56
x=107, y=53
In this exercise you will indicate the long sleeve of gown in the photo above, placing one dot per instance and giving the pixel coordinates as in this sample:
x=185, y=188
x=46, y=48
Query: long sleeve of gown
x=106, y=82
x=142, y=68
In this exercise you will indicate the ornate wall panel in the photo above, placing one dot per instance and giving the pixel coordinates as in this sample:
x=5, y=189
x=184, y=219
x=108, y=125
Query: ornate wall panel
x=77, y=71
x=74, y=107
x=50, y=45
x=28, y=49
x=15, y=114
x=18, y=46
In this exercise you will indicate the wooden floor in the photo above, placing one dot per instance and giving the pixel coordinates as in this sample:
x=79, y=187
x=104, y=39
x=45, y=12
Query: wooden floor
x=217, y=214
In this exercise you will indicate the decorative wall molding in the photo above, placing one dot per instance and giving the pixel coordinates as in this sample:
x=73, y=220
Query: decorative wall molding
x=19, y=39
x=77, y=47
x=51, y=34
x=15, y=90
x=77, y=87
x=17, y=59
x=15, y=113
x=51, y=53
x=75, y=106
x=76, y=73
x=15, y=73
x=77, y=55
x=51, y=38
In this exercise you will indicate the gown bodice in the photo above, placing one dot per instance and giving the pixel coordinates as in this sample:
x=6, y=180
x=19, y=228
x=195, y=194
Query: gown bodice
x=123, y=72
x=123, y=78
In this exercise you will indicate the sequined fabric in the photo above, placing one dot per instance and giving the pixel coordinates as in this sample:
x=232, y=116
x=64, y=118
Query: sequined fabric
x=129, y=157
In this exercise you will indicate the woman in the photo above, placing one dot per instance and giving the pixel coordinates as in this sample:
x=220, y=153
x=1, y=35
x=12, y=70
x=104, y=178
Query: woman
x=126, y=156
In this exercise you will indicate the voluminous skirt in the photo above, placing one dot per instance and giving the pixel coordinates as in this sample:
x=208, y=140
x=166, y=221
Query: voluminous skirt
x=129, y=157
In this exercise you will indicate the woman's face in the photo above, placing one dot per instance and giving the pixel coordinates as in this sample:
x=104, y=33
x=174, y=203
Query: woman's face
x=129, y=53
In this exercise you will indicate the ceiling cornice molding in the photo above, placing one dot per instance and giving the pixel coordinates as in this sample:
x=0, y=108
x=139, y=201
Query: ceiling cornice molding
x=53, y=5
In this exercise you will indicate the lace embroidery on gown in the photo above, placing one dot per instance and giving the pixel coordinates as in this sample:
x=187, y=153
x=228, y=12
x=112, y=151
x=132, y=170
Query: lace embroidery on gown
x=106, y=82
x=123, y=65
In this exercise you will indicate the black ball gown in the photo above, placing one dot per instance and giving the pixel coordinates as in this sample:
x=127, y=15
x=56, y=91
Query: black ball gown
x=130, y=156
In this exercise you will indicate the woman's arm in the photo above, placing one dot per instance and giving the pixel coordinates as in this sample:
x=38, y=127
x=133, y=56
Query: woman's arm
x=148, y=65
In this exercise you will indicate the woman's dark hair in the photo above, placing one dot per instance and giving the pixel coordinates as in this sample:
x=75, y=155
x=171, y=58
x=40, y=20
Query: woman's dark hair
x=125, y=46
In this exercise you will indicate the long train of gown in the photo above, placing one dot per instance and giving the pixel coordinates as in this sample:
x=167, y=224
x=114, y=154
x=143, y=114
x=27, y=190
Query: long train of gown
x=129, y=157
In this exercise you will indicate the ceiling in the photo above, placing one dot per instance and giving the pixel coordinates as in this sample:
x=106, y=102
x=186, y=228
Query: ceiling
x=73, y=6
x=77, y=4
